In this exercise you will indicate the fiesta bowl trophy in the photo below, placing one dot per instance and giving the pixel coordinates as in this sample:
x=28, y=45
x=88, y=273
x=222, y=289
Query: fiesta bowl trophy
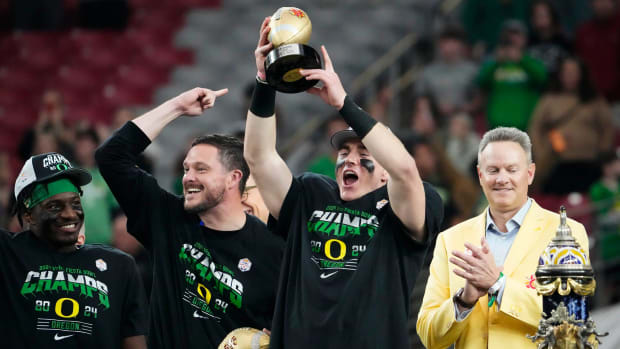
x=290, y=32
x=565, y=280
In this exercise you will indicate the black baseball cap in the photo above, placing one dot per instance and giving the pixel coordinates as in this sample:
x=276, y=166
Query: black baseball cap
x=46, y=167
x=340, y=137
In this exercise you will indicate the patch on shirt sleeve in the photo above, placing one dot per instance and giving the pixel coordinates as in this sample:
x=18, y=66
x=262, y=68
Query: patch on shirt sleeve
x=101, y=264
x=381, y=203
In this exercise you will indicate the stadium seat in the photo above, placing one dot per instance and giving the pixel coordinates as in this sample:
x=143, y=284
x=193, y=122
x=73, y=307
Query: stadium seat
x=141, y=75
x=73, y=95
x=147, y=37
x=42, y=61
x=96, y=112
x=18, y=77
x=9, y=97
x=117, y=95
x=98, y=38
x=167, y=56
x=80, y=77
x=18, y=117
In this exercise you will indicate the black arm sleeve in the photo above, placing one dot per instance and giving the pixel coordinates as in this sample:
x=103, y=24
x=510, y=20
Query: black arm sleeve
x=136, y=191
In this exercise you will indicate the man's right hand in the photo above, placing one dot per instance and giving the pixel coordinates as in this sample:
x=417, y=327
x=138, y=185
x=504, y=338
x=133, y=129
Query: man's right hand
x=262, y=48
x=197, y=100
x=471, y=293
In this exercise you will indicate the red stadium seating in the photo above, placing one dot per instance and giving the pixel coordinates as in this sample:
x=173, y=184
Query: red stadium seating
x=122, y=95
x=80, y=77
x=10, y=97
x=95, y=112
x=18, y=117
x=20, y=78
x=166, y=56
x=98, y=38
x=96, y=71
x=141, y=75
x=578, y=206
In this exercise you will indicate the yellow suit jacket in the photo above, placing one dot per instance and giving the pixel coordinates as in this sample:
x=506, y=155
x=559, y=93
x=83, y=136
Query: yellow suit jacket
x=521, y=307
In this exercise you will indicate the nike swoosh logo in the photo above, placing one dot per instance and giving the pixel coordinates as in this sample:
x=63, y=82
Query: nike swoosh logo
x=59, y=338
x=196, y=315
x=325, y=276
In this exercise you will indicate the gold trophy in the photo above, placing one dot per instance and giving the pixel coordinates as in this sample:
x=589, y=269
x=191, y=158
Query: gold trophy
x=565, y=280
x=290, y=32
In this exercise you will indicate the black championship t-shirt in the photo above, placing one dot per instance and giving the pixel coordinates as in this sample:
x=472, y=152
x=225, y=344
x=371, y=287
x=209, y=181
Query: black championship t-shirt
x=88, y=298
x=348, y=269
x=206, y=283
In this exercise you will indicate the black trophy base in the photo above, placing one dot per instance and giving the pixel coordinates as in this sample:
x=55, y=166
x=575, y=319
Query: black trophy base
x=282, y=67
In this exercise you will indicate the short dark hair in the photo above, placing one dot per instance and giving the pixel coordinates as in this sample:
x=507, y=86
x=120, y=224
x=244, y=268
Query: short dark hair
x=230, y=151
x=19, y=208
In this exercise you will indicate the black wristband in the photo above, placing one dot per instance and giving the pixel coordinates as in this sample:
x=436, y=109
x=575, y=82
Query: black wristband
x=360, y=121
x=263, y=100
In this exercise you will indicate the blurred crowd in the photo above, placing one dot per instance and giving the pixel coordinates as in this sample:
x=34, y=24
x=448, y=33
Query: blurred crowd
x=535, y=65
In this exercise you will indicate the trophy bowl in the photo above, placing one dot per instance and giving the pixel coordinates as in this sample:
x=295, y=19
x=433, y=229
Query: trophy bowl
x=290, y=31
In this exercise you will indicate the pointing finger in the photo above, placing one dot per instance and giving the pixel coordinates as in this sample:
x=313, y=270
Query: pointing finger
x=221, y=92
x=328, y=62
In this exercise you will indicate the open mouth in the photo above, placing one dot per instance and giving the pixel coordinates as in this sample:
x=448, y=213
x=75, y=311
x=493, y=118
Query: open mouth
x=192, y=190
x=349, y=177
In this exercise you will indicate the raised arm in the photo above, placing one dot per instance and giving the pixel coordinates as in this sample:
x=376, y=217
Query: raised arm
x=405, y=187
x=117, y=156
x=190, y=103
x=272, y=175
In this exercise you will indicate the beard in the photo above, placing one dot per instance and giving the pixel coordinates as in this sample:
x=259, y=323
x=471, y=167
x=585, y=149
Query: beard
x=211, y=199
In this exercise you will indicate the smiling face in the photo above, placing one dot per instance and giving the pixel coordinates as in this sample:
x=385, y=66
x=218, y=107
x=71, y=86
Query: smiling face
x=204, y=178
x=357, y=172
x=57, y=220
x=505, y=174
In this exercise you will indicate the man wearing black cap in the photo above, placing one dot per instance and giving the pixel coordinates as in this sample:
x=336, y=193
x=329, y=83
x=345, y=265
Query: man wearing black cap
x=354, y=245
x=53, y=293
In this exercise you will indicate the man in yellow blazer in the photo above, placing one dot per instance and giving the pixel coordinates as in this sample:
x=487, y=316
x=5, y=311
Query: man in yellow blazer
x=480, y=292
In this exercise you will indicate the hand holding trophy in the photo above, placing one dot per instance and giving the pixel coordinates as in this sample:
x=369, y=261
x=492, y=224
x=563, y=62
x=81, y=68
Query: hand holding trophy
x=290, y=30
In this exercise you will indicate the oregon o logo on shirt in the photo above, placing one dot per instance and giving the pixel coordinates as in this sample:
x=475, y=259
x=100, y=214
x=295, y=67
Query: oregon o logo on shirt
x=328, y=250
x=207, y=293
x=74, y=311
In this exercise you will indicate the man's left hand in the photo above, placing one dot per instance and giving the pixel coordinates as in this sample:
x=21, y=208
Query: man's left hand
x=477, y=265
x=332, y=91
